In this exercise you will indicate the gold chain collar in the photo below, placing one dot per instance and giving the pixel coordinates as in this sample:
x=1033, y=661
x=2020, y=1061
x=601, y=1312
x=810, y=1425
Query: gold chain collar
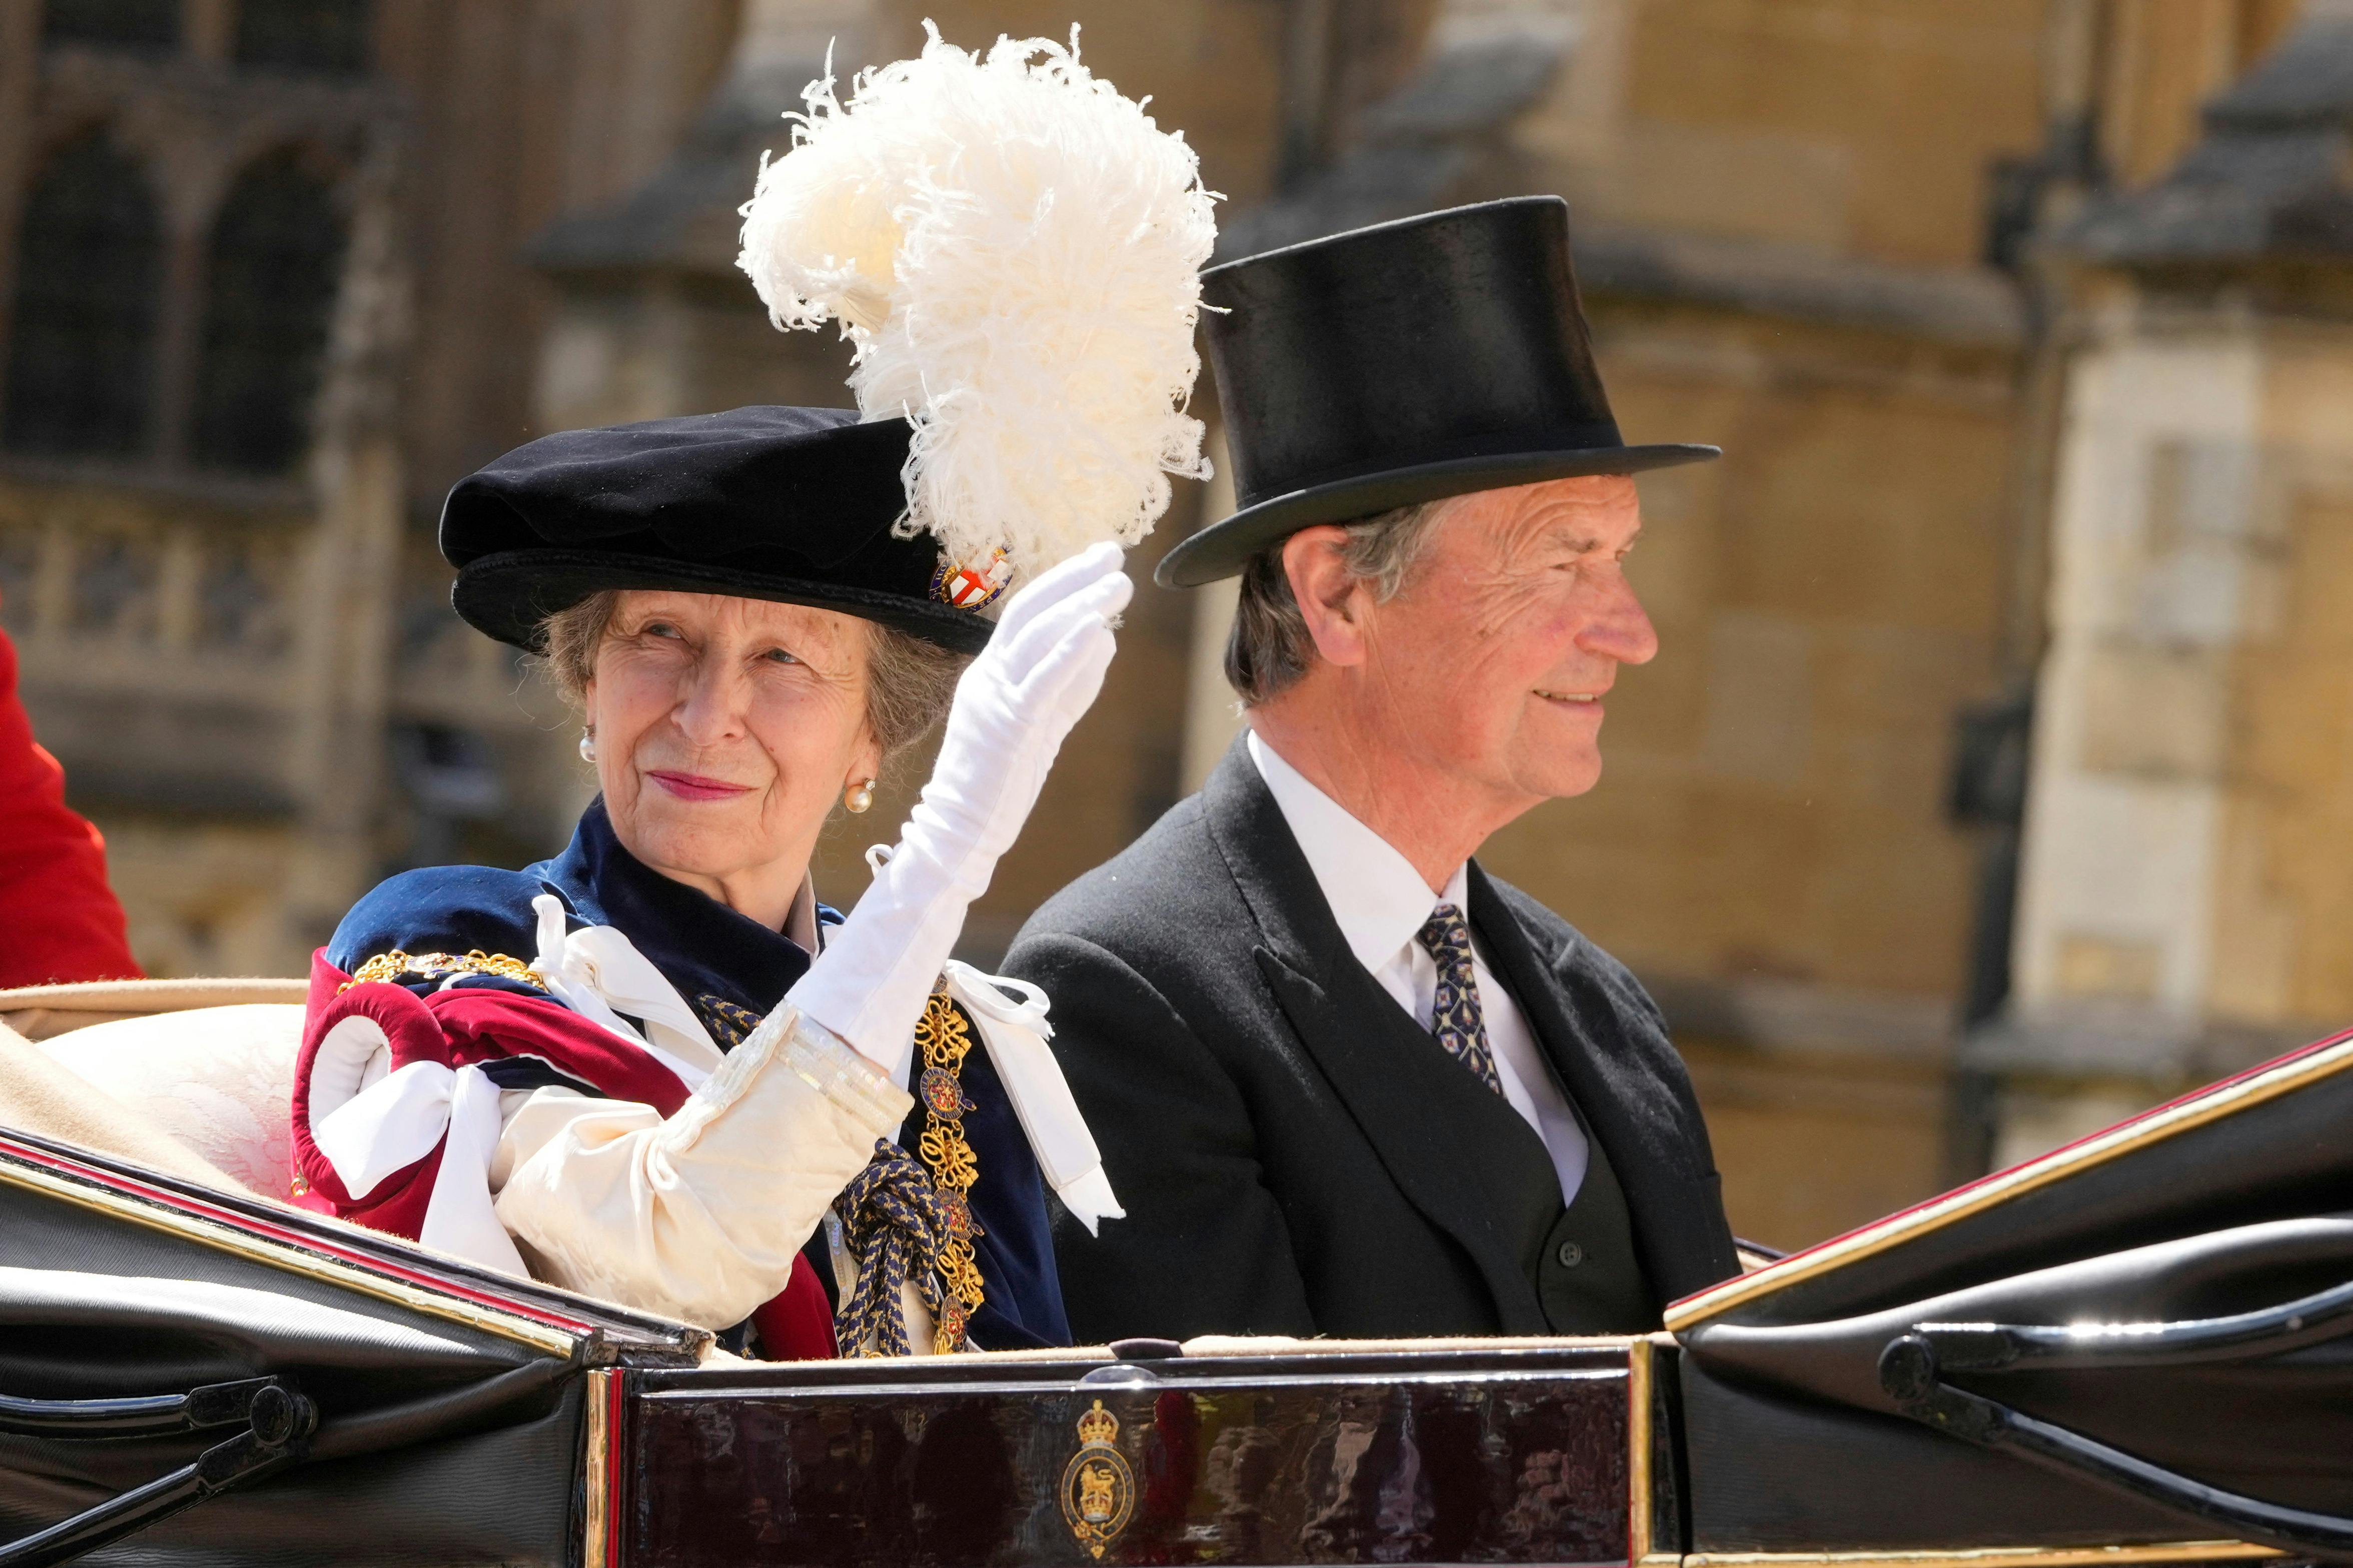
x=396, y=965
x=943, y=1035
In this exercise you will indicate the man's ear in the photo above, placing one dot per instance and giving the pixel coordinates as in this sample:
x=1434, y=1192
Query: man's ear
x=1332, y=600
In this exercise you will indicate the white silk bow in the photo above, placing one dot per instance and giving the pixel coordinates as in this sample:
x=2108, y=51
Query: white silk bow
x=396, y=1121
x=1016, y=1034
x=598, y=975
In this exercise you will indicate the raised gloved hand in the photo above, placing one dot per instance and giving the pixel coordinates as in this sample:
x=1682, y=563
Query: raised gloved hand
x=1013, y=706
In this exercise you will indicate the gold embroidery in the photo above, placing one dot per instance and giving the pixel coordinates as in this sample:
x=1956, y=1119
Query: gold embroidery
x=1098, y=1489
x=395, y=965
x=943, y=1035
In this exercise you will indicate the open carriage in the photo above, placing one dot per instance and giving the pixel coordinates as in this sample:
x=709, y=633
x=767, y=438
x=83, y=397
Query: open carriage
x=2135, y=1348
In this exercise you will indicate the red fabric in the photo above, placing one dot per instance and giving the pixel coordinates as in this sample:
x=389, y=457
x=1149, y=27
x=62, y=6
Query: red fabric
x=58, y=920
x=798, y=1324
x=460, y=1027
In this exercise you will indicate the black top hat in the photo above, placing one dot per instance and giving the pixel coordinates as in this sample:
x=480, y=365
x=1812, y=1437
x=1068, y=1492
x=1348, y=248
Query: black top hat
x=1398, y=364
x=791, y=504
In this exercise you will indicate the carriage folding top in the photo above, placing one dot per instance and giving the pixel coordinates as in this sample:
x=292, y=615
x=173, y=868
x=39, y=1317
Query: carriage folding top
x=2136, y=1349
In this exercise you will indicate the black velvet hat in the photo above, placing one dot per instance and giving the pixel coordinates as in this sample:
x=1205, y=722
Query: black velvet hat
x=790, y=504
x=1398, y=364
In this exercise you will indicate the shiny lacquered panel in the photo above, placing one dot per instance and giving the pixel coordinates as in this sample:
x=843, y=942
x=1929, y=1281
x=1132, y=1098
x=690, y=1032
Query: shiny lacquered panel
x=1490, y=1456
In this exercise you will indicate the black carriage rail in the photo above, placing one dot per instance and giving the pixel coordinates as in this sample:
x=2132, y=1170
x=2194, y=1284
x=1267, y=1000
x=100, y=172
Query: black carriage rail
x=277, y=1422
x=213, y=1405
x=1913, y=1367
x=2271, y=1330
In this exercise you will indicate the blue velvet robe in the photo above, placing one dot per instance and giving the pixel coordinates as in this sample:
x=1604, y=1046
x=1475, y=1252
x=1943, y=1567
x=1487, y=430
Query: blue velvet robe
x=719, y=960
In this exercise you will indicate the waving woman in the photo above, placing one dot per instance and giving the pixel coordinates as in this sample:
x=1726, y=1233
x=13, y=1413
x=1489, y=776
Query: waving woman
x=655, y=1067
x=566, y=1067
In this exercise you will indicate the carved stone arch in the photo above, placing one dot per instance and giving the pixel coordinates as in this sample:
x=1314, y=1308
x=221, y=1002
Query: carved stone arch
x=272, y=269
x=203, y=178
x=180, y=151
x=87, y=306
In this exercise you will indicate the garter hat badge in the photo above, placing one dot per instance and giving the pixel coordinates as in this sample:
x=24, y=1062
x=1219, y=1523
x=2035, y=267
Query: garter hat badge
x=972, y=587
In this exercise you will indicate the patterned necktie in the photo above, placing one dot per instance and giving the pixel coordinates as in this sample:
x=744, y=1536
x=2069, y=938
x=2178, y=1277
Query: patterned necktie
x=1454, y=1017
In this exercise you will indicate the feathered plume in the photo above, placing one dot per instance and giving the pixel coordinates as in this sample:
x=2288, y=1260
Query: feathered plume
x=1015, y=250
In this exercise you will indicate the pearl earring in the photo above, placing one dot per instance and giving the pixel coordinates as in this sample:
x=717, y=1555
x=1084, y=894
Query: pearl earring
x=589, y=744
x=858, y=797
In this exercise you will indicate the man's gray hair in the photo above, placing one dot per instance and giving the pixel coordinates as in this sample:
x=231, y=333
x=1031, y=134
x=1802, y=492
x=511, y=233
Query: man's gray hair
x=1271, y=649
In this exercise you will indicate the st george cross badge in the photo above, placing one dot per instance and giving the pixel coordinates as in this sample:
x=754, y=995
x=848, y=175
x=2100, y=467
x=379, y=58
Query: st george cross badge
x=968, y=587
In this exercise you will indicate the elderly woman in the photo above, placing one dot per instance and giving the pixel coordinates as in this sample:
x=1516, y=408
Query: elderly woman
x=655, y=1068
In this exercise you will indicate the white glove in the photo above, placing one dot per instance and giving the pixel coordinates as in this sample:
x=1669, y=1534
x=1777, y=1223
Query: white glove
x=1013, y=706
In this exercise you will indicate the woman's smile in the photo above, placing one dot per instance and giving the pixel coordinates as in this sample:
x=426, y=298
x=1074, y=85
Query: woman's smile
x=696, y=787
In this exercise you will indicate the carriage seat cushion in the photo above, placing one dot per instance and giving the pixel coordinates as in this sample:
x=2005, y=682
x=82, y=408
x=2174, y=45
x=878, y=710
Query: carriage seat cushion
x=219, y=1079
x=38, y=1097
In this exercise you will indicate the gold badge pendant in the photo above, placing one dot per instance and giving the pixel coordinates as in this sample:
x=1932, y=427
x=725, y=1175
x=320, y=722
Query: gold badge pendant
x=1098, y=1489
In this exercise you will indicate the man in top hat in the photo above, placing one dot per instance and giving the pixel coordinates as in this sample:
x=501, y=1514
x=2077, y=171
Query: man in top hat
x=1346, y=1082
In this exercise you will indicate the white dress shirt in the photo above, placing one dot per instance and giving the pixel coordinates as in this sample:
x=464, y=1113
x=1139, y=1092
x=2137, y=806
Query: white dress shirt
x=1381, y=904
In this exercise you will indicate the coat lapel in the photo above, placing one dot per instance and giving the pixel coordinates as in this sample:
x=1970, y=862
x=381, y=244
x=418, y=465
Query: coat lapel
x=1411, y=1112
x=1607, y=1093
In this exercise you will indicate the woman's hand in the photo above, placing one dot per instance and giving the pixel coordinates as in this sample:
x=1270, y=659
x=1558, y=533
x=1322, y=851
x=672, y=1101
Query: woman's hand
x=1013, y=708
x=1037, y=677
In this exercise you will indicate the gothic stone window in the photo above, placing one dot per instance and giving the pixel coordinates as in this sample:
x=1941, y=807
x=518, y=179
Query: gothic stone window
x=146, y=26
x=81, y=340
x=326, y=37
x=269, y=289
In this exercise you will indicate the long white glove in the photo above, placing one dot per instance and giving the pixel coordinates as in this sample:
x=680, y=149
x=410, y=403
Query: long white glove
x=1013, y=706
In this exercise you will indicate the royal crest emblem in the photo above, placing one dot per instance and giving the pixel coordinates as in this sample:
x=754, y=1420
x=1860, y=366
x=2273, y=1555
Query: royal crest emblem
x=968, y=587
x=1098, y=1489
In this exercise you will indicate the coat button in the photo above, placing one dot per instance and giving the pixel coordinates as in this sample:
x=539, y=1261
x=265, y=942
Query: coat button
x=1570, y=1255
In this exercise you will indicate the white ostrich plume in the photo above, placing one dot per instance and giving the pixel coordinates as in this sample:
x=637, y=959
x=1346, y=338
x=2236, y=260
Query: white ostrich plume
x=1015, y=250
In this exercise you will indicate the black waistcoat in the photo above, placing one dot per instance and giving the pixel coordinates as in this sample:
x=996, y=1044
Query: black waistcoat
x=1577, y=1262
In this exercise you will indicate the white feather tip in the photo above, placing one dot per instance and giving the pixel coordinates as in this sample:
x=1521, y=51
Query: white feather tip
x=1014, y=251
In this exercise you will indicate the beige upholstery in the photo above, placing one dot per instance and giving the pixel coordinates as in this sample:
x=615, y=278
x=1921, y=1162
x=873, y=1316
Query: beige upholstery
x=206, y=1066
x=38, y=1097
x=219, y=1079
x=41, y=1012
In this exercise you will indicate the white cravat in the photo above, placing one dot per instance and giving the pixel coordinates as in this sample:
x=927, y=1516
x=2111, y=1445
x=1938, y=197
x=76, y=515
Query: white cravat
x=1381, y=902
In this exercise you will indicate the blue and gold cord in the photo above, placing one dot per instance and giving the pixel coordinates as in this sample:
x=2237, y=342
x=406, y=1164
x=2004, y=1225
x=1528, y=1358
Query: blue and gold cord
x=897, y=1225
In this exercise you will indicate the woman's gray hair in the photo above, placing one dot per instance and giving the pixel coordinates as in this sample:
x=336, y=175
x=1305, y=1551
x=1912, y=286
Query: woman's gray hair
x=908, y=682
x=1271, y=647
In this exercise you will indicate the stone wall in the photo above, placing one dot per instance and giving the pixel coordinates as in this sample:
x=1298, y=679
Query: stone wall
x=2183, y=893
x=2185, y=903
x=255, y=683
